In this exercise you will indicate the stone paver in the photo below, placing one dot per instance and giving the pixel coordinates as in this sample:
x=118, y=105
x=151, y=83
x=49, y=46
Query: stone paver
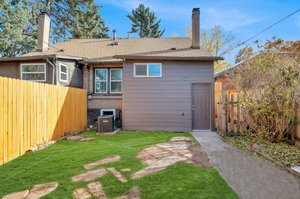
x=161, y=156
x=250, y=176
x=181, y=139
x=133, y=194
x=41, y=190
x=101, y=162
x=79, y=138
x=17, y=195
x=117, y=174
x=126, y=170
x=95, y=188
x=81, y=193
x=90, y=175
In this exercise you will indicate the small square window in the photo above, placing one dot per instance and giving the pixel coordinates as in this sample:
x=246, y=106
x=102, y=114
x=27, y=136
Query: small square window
x=140, y=70
x=154, y=70
x=147, y=70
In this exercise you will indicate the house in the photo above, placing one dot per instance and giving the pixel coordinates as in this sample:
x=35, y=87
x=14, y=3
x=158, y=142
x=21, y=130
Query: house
x=164, y=84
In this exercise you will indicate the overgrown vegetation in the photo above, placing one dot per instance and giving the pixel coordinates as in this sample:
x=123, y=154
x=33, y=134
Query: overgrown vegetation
x=282, y=153
x=269, y=91
x=65, y=159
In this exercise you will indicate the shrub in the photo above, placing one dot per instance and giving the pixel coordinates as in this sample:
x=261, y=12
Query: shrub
x=269, y=89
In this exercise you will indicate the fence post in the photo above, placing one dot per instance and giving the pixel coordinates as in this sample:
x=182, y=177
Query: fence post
x=238, y=113
x=231, y=105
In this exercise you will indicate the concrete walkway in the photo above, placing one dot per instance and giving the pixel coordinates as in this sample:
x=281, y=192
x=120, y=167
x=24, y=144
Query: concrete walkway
x=251, y=177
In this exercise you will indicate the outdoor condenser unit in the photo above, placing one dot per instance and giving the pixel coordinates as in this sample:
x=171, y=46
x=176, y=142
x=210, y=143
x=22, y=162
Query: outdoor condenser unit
x=106, y=124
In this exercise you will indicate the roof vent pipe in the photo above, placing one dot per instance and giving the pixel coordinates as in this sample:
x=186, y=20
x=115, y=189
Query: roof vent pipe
x=196, y=28
x=114, y=34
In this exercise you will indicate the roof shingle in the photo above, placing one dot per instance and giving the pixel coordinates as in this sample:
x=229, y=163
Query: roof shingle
x=101, y=50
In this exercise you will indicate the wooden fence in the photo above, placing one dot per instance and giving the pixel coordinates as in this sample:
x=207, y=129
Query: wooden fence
x=229, y=118
x=36, y=113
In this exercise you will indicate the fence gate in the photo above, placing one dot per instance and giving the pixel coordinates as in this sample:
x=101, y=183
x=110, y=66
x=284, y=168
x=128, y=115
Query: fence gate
x=228, y=115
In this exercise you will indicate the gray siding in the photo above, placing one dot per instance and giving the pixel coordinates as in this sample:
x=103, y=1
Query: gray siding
x=12, y=69
x=75, y=74
x=162, y=103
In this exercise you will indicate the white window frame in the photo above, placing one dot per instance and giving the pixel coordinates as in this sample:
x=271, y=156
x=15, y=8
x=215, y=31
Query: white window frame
x=25, y=64
x=110, y=81
x=60, y=72
x=147, y=64
x=102, y=80
x=110, y=110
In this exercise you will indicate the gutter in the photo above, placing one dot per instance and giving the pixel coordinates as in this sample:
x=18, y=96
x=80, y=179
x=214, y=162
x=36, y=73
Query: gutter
x=171, y=58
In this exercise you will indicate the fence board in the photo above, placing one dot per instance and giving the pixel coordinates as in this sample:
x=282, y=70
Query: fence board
x=35, y=113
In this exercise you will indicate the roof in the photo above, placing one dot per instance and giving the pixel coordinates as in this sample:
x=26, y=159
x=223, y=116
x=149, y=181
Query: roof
x=173, y=54
x=103, y=50
x=37, y=57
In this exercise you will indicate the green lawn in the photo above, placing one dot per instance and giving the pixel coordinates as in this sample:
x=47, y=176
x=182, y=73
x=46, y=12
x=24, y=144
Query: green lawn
x=65, y=159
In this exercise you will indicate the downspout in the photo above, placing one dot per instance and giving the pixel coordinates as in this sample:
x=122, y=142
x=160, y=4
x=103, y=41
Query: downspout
x=88, y=69
x=54, y=69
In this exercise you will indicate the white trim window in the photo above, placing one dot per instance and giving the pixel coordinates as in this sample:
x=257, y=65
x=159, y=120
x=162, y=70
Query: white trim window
x=115, y=80
x=101, y=78
x=33, y=72
x=63, y=73
x=147, y=70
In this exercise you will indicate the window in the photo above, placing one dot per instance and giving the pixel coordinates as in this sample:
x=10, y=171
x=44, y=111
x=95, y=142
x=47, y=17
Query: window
x=101, y=80
x=63, y=73
x=115, y=80
x=147, y=70
x=33, y=72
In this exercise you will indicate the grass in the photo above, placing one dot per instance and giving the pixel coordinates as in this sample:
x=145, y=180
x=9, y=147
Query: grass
x=65, y=159
x=283, y=153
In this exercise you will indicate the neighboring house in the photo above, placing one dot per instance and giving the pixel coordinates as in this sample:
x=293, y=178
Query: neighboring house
x=164, y=84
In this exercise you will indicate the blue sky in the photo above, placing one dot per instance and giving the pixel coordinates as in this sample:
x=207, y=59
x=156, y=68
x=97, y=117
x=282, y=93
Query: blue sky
x=244, y=18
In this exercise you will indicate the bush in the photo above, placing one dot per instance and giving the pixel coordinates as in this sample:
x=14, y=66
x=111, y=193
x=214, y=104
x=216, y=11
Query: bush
x=269, y=88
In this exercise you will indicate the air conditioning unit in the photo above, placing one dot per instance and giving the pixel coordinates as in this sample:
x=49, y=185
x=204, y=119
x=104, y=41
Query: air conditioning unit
x=106, y=124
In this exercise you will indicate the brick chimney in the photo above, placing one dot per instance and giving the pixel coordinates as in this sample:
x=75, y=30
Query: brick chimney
x=196, y=28
x=43, y=32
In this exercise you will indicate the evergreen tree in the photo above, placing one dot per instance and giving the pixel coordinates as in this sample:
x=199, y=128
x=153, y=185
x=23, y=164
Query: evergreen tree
x=144, y=22
x=78, y=19
x=87, y=22
x=69, y=19
x=18, y=30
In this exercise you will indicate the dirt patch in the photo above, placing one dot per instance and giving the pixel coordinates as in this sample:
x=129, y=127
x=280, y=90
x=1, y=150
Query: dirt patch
x=199, y=157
